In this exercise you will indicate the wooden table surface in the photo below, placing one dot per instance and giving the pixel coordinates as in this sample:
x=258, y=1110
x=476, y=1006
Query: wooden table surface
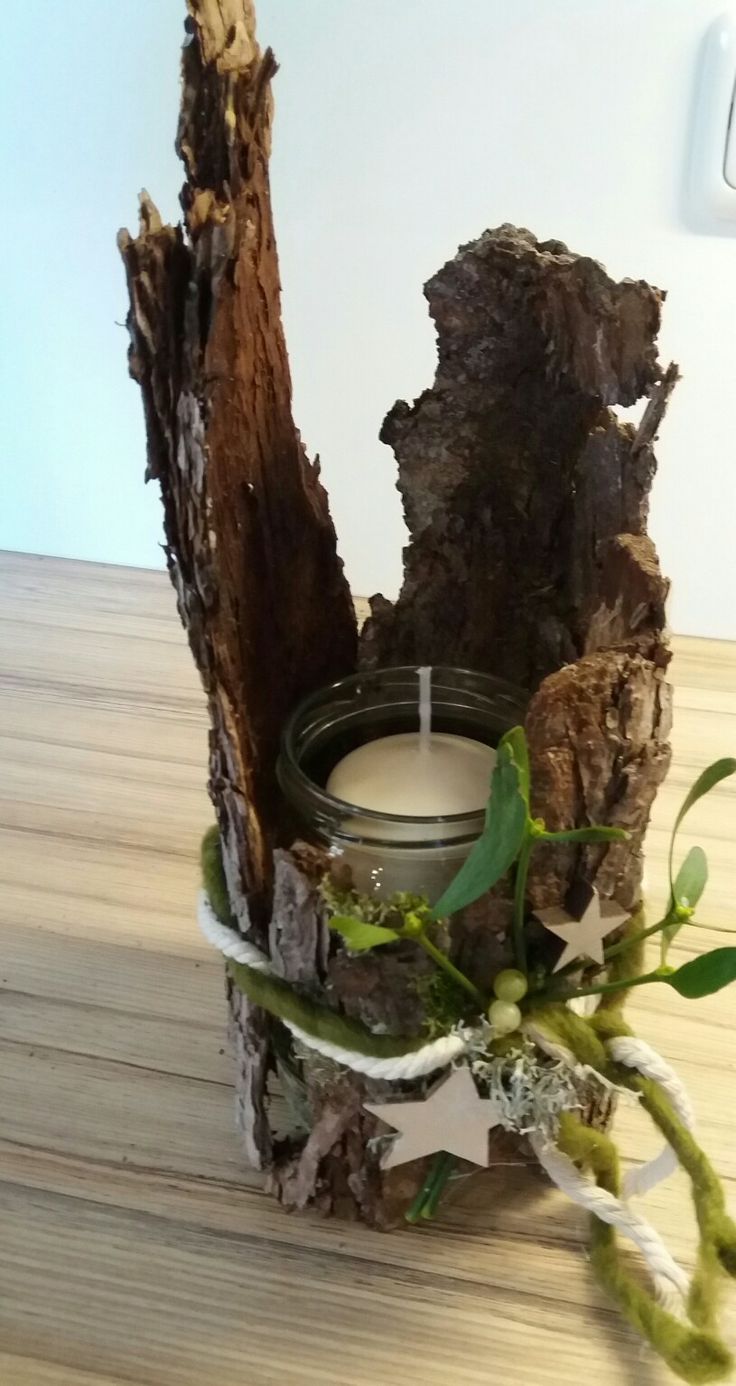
x=134, y=1245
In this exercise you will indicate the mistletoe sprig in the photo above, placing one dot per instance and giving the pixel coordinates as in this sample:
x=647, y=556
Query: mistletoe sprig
x=509, y=837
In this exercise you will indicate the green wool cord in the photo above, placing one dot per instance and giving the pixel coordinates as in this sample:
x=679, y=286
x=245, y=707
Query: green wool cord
x=213, y=875
x=717, y=1245
x=694, y=1355
x=571, y=1030
x=280, y=998
x=717, y=1249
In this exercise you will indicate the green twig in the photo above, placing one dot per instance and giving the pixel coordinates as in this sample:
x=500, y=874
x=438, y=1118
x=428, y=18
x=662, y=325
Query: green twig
x=633, y=939
x=443, y=1167
x=443, y=961
x=416, y=1210
x=601, y=989
x=522, y=872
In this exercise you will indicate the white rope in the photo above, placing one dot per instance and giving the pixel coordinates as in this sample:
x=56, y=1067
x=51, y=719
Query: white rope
x=665, y=1271
x=636, y=1053
x=438, y=1054
x=229, y=941
x=416, y=1064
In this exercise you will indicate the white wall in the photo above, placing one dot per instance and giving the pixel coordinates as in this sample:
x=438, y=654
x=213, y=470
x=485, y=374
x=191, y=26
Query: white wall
x=88, y=107
x=403, y=128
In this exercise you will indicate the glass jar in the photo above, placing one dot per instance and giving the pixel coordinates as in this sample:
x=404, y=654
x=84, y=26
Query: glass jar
x=390, y=852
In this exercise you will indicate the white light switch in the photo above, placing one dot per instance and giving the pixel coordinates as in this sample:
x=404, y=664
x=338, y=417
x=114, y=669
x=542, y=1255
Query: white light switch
x=713, y=150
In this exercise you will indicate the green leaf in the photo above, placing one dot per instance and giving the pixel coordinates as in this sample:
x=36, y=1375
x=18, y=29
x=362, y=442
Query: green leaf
x=687, y=889
x=516, y=741
x=704, y=975
x=498, y=846
x=591, y=834
x=691, y=879
x=719, y=770
x=711, y=776
x=359, y=936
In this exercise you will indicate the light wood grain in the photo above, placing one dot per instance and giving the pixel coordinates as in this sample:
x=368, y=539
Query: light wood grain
x=135, y=1247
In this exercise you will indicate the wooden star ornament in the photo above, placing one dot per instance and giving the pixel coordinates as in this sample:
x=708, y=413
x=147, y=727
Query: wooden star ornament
x=583, y=937
x=453, y=1117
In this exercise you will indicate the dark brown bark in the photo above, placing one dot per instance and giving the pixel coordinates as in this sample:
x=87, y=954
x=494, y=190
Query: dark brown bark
x=526, y=500
x=250, y=545
x=513, y=470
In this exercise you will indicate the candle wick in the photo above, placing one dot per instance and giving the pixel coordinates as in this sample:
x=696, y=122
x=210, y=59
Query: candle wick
x=425, y=707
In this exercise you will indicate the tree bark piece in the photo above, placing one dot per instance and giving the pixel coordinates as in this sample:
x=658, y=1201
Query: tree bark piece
x=513, y=470
x=598, y=746
x=250, y=545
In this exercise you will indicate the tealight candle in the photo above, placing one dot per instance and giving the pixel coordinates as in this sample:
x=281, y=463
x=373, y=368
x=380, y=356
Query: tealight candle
x=399, y=805
x=412, y=776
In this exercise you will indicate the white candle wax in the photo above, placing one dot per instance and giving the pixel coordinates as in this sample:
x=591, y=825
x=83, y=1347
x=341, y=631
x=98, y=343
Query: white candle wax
x=434, y=775
x=414, y=776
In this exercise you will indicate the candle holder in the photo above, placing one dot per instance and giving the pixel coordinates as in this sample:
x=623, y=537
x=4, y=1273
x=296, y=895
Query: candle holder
x=400, y=1044
x=386, y=852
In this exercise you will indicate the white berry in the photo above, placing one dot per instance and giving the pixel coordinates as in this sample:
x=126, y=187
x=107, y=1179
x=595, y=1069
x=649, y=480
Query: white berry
x=504, y=1016
x=510, y=985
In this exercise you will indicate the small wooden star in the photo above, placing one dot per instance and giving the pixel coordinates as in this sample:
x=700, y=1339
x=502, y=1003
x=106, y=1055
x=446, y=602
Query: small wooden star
x=453, y=1117
x=583, y=937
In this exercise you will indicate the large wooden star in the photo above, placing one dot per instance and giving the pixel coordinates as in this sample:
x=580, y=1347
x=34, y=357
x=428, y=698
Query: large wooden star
x=583, y=938
x=453, y=1117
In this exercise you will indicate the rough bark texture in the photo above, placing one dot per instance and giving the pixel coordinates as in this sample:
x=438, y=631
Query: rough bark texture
x=513, y=470
x=526, y=500
x=250, y=545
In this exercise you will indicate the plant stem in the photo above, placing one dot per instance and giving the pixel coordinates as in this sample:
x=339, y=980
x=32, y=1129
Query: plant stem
x=522, y=871
x=616, y=948
x=414, y=1211
x=633, y=939
x=425, y=1203
x=443, y=1167
x=623, y=985
x=443, y=961
x=586, y=835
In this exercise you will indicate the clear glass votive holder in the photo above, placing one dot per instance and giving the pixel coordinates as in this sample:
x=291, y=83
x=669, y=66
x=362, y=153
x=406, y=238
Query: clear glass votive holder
x=385, y=852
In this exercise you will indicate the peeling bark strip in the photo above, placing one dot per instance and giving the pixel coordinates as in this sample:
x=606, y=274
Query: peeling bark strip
x=598, y=745
x=513, y=470
x=250, y=546
x=526, y=501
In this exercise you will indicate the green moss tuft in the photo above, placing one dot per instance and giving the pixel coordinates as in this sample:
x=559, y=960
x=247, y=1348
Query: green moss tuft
x=444, y=1002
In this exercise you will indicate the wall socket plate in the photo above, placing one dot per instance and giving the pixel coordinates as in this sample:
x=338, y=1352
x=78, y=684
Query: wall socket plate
x=712, y=171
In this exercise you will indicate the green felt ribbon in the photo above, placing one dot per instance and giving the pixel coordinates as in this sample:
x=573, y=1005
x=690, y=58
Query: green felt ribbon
x=693, y=1351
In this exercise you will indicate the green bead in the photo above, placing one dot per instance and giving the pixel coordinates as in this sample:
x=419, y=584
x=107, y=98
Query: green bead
x=504, y=1016
x=510, y=985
